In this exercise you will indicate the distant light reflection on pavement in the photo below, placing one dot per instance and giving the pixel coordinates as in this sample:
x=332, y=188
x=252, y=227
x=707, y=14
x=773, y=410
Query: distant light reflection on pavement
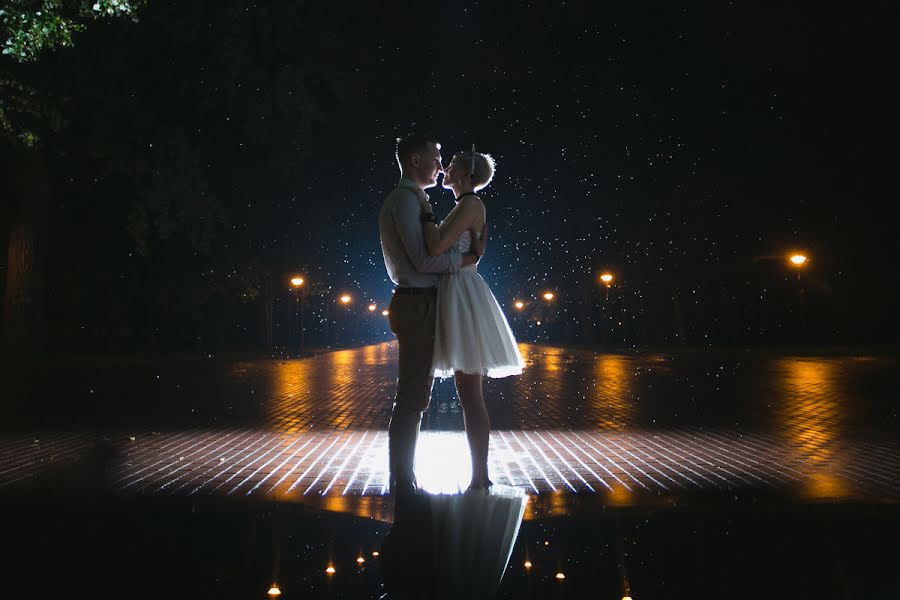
x=577, y=427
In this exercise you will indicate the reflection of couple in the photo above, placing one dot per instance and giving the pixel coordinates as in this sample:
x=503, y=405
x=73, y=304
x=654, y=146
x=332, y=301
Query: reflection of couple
x=446, y=319
x=447, y=322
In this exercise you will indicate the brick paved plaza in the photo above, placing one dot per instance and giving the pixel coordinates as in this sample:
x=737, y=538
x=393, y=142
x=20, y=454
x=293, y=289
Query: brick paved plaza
x=576, y=426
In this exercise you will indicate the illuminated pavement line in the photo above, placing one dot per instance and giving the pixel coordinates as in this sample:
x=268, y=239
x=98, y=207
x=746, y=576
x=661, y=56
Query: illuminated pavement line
x=163, y=453
x=245, y=463
x=309, y=468
x=533, y=461
x=278, y=466
x=333, y=457
x=24, y=461
x=693, y=457
x=653, y=466
x=701, y=454
x=853, y=468
x=13, y=455
x=521, y=466
x=297, y=464
x=346, y=462
x=359, y=465
x=212, y=458
x=504, y=464
x=580, y=448
x=178, y=440
x=597, y=477
x=889, y=459
x=550, y=462
x=752, y=453
x=226, y=465
x=186, y=465
x=630, y=464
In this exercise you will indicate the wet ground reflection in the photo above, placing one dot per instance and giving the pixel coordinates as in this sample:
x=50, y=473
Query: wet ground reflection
x=561, y=388
x=213, y=548
x=657, y=475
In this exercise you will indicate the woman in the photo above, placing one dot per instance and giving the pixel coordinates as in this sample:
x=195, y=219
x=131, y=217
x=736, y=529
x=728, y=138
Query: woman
x=472, y=337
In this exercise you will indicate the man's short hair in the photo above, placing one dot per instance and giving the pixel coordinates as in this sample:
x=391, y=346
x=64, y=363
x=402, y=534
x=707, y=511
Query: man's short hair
x=412, y=144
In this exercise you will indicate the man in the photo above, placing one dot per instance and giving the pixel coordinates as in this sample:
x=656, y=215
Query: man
x=412, y=309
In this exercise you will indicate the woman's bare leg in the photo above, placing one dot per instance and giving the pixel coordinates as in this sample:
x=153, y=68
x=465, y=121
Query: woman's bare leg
x=478, y=425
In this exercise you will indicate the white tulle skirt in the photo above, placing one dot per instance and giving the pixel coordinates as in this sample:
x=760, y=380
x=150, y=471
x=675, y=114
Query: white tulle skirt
x=472, y=334
x=474, y=535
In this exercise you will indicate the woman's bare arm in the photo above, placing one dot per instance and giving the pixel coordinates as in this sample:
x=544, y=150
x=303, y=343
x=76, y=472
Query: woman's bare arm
x=439, y=239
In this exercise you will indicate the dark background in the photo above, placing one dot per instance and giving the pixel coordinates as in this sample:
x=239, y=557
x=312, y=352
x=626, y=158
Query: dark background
x=194, y=161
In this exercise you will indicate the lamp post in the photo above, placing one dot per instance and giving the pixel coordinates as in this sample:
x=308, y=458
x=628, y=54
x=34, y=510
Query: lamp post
x=345, y=300
x=548, y=297
x=297, y=283
x=799, y=261
x=606, y=279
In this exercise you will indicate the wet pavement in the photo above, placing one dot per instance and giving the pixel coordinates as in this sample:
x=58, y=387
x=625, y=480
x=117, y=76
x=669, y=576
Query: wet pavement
x=654, y=474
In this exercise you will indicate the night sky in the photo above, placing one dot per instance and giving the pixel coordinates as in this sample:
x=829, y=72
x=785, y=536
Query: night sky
x=668, y=142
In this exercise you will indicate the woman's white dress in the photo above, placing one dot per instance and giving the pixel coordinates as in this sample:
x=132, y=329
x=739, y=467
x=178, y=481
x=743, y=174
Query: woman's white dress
x=472, y=334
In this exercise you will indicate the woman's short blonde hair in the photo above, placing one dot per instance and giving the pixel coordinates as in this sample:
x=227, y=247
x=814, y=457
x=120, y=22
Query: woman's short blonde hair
x=485, y=165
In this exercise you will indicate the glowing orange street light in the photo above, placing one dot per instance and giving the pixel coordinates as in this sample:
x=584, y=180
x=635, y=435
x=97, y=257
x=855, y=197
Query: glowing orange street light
x=606, y=278
x=798, y=260
x=345, y=299
x=372, y=308
x=297, y=281
x=274, y=591
x=519, y=304
x=384, y=313
x=360, y=560
x=527, y=564
x=548, y=296
x=560, y=576
x=330, y=570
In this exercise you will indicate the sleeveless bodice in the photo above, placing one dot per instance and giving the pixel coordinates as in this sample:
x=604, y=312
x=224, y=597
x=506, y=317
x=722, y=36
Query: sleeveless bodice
x=464, y=245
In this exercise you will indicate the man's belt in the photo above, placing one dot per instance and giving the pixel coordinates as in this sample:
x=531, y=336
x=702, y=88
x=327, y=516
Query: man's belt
x=422, y=291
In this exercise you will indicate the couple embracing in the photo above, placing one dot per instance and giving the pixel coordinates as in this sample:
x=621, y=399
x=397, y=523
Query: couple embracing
x=446, y=319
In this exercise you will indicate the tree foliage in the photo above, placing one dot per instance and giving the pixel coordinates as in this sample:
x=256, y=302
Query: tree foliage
x=30, y=28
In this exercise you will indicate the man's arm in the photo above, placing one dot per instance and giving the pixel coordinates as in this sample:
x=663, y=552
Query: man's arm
x=409, y=227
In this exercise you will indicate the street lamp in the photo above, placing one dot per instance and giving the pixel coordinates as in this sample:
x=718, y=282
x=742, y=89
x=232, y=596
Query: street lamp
x=345, y=299
x=372, y=308
x=297, y=283
x=548, y=296
x=798, y=260
x=519, y=304
x=606, y=278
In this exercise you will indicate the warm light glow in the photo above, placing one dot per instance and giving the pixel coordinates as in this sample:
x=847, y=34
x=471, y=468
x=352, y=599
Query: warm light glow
x=606, y=278
x=527, y=564
x=330, y=570
x=560, y=575
x=626, y=597
x=538, y=323
x=372, y=308
x=376, y=553
x=360, y=560
x=274, y=591
x=384, y=313
x=297, y=281
x=548, y=296
x=798, y=259
x=345, y=299
x=519, y=304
